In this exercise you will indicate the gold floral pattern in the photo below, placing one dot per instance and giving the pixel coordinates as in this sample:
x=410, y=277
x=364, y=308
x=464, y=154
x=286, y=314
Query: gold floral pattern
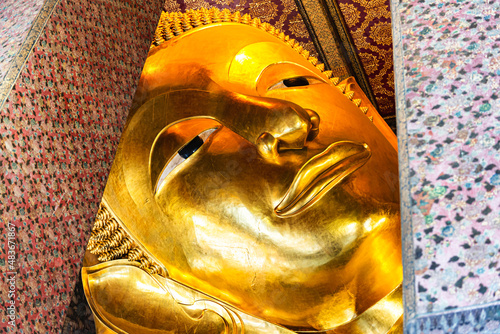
x=351, y=14
x=372, y=3
x=224, y=2
x=265, y=10
x=171, y=6
x=381, y=33
x=297, y=27
x=370, y=62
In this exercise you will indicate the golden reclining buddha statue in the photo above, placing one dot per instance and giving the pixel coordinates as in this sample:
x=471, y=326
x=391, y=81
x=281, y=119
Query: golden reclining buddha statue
x=251, y=192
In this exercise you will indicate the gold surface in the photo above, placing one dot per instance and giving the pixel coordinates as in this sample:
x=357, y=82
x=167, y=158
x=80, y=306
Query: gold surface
x=289, y=211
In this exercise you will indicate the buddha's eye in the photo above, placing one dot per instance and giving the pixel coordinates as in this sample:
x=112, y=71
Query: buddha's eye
x=294, y=82
x=184, y=153
x=191, y=147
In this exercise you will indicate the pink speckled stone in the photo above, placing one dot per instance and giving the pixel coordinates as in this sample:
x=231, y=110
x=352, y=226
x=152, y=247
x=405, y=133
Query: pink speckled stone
x=448, y=75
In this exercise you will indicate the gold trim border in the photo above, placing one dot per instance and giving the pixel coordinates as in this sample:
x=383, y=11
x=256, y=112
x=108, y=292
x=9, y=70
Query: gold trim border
x=19, y=60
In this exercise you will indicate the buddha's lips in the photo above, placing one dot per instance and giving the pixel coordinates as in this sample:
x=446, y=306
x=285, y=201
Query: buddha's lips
x=320, y=174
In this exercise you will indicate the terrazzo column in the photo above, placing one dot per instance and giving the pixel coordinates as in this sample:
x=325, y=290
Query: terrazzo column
x=447, y=67
x=61, y=119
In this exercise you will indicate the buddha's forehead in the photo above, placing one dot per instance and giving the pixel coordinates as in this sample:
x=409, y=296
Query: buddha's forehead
x=230, y=54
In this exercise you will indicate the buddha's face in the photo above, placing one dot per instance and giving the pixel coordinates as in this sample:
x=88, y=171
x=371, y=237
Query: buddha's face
x=284, y=203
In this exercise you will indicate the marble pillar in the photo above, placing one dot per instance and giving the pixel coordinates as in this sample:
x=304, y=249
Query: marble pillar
x=447, y=67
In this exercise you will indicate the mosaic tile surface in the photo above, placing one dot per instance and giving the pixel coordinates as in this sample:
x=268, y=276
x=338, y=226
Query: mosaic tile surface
x=16, y=18
x=59, y=129
x=369, y=23
x=447, y=86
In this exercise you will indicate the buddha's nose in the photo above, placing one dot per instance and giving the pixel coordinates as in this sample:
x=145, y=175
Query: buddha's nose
x=272, y=125
x=289, y=127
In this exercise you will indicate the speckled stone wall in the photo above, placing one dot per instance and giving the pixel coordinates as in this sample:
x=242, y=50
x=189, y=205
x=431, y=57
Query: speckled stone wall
x=59, y=128
x=447, y=66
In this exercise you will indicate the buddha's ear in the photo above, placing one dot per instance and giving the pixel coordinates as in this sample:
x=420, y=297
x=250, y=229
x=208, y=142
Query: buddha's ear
x=126, y=299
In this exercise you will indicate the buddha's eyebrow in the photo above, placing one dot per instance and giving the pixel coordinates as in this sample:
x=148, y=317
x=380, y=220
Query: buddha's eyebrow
x=253, y=59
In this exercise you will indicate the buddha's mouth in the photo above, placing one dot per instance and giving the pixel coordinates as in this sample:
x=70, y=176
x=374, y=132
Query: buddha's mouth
x=320, y=174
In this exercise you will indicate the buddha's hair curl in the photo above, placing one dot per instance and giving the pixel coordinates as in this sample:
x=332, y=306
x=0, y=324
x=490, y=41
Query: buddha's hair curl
x=174, y=24
x=110, y=241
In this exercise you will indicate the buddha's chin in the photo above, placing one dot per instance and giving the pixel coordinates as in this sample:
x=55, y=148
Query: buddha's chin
x=328, y=312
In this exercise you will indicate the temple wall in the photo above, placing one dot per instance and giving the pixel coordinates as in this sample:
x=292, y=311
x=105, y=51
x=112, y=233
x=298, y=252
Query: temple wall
x=60, y=124
x=369, y=25
x=447, y=77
